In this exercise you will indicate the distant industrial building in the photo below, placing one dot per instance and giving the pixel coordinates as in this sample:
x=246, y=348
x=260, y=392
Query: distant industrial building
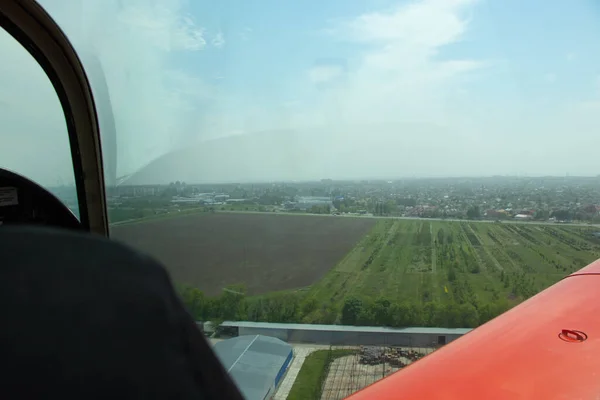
x=307, y=202
x=185, y=200
x=238, y=201
x=347, y=335
x=524, y=217
x=135, y=191
x=256, y=363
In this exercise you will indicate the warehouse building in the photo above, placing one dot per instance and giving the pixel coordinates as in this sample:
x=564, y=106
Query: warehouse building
x=307, y=202
x=256, y=363
x=347, y=335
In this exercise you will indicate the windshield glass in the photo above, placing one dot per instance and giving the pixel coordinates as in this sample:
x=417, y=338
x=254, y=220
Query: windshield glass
x=33, y=132
x=385, y=163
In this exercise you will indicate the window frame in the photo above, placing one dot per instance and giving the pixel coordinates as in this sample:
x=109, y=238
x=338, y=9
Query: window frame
x=28, y=23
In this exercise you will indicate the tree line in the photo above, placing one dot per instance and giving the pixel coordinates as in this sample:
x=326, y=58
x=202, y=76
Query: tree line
x=461, y=311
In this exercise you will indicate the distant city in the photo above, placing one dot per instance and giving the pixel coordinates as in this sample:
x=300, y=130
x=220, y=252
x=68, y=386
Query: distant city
x=550, y=199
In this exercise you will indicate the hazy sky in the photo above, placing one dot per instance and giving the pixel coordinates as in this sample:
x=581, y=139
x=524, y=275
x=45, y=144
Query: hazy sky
x=377, y=88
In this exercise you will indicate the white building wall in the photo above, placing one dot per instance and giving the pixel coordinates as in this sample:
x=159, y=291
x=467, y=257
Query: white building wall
x=349, y=338
x=277, y=333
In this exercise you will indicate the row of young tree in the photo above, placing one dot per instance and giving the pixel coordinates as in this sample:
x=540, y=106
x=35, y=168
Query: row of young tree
x=382, y=312
x=233, y=304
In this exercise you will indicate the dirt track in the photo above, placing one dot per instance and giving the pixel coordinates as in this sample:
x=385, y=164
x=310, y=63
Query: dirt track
x=267, y=252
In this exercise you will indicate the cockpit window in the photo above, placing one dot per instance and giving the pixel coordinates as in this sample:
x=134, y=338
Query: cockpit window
x=33, y=131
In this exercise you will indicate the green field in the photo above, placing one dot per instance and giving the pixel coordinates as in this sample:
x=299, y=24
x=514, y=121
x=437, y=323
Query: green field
x=481, y=268
x=418, y=273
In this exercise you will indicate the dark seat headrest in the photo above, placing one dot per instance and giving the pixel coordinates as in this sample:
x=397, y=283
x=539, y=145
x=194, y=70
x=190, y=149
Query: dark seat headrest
x=86, y=317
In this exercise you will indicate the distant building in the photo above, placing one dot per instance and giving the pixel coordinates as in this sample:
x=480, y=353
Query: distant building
x=185, y=200
x=308, y=202
x=289, y=205
x=221, y=197
x=348, y=335
x=136, y=191
x=491, y=214
x=256, y=363
x=527, y=212
x=496, y=214
x=238, y=201
x=523, y=216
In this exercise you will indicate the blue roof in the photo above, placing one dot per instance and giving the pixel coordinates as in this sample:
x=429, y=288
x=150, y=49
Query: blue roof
x=254, y=362
x=347, y=328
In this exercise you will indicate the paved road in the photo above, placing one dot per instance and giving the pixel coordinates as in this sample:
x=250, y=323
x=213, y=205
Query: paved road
x=300, y=354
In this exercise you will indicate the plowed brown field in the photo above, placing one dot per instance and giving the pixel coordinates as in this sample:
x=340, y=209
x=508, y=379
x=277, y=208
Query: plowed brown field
x=267, y=252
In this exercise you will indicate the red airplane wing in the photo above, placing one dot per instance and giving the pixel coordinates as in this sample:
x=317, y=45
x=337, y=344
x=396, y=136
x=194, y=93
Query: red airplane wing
x=547, y=347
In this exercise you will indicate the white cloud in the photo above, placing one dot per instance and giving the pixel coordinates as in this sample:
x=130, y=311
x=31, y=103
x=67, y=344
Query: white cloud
x=164, y=27
x=218, y=40
x=429, y=23
x=400, y=74
x=324, y=73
